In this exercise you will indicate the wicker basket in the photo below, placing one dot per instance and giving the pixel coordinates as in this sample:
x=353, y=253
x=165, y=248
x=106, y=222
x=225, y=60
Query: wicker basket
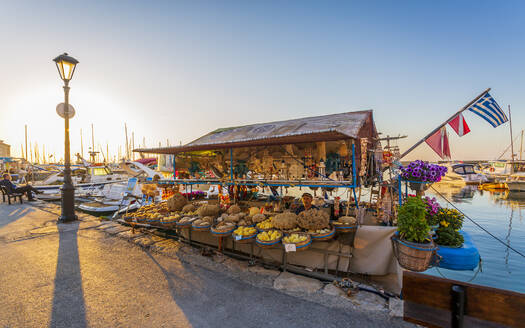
x=200, y=228
x=346, y=234
x=413, y=256
x=303, y=245
x=244, y=239
x=267, y=244
x=154, y=222
x=185, y=225
x=140, y=219
x=222, y=232
x=323, y=236
x=169, y=223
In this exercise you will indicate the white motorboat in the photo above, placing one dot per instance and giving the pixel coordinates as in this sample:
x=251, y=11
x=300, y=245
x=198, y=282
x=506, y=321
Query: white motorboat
x=463, y=174
x=516, y=182
x=113, y=197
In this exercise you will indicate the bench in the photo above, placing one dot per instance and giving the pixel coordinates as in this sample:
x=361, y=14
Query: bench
x=9, y=195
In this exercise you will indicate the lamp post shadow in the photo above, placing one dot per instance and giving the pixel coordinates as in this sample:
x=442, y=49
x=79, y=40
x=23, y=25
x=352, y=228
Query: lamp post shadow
x=68, y=299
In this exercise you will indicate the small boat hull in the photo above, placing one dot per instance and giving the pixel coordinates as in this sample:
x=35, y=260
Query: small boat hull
x=459, y=258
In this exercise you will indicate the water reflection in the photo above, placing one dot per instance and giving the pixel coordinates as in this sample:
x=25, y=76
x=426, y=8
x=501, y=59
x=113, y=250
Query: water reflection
x=500, y=212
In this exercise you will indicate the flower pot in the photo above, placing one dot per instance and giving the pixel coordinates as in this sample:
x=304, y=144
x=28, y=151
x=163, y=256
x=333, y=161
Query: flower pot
x=413, y=256
x=419, y=186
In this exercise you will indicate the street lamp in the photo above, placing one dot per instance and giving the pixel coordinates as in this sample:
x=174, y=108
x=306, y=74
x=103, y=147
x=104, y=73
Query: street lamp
x=66, y=67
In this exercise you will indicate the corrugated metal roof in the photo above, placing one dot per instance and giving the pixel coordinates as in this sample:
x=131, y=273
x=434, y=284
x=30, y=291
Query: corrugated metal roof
x=309, y=129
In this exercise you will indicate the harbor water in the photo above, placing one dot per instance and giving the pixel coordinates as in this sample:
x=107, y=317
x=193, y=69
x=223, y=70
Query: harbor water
x=503, y=214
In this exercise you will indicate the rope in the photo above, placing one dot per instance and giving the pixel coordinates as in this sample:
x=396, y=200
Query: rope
x=480, y=269
x=478, y=225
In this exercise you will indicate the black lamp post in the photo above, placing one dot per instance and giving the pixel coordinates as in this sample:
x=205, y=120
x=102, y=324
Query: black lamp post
x=66, y=67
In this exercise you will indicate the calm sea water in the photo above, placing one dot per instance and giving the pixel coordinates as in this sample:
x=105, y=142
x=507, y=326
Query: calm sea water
x=501, y=213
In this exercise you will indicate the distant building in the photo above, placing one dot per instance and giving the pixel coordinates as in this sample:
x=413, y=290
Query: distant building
x=5, y=149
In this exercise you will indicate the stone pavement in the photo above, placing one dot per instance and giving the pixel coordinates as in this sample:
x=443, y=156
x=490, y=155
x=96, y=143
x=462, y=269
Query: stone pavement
x=99, y=274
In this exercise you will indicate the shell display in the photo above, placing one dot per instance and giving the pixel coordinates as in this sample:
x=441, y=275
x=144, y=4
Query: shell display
x=285, y=221
x=176, y=202
x=313, y=219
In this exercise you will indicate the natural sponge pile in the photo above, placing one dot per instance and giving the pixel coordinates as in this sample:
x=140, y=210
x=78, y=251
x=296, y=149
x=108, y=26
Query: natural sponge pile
x=234, y=209
x=346, y=220
x=258, y=218
x=208, y=210
x=285, y=221
x=188, y=208
x=176, y=202
x=313, y=219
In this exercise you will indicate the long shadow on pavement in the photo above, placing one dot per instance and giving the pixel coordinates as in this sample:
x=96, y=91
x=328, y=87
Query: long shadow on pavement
x=11, y=213
x=69, y=309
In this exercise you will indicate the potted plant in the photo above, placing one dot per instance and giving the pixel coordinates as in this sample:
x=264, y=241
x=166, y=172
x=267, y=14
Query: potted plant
x=450, y=222
x=421, y=174
x=433, y=209
x=412, y=243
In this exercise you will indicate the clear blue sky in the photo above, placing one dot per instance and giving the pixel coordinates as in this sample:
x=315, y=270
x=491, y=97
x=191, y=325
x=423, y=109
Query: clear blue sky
x=178, y=69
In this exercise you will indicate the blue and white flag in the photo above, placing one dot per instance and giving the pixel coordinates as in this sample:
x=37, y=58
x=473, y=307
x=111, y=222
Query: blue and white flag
x=487, y=108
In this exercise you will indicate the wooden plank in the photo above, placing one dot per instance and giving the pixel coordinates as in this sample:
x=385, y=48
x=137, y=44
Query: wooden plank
x=484, y=305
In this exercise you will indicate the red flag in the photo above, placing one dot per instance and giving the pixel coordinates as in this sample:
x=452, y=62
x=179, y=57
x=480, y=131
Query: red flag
x=435, y=142
x=459, y=125
x=446, y=148
x=439, y=143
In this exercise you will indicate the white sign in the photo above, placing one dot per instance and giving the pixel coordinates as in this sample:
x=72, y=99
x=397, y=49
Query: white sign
x=238, y=237
x=61, y=110
x=289, y=247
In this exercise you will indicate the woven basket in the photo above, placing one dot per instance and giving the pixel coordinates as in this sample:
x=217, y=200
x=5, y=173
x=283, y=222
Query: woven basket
x=244, y=239
x=140, y=219
x=154, y=222
x=303, y=245
x=222, y=232
x=185, y=225
x=200, y=228
x=323, y=236
x=346, y=234
x=267, y=244
x=169, y=224
x=413, y=256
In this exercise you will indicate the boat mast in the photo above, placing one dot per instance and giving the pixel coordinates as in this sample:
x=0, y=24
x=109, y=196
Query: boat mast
x=127, y=144
x=81, y=144
x=511, y=140
x=521, y=145
x=26, y=142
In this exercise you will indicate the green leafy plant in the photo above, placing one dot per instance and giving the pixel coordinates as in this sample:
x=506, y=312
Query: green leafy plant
x=411, y=221
x=447, y=236
x=449, y=218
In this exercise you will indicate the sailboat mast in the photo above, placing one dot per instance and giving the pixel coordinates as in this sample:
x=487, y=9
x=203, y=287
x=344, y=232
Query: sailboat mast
x=127, y=144
x=81, y=145
x=521, y=145
x=26, y=142
x=511, y=139
x=132, y=145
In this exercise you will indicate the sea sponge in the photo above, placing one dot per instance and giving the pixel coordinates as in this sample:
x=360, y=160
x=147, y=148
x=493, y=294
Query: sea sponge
x=188, y=208
x=245, y=222
x=208, y=219
x=234, y=209
x=254, y=210
x=234, y=217
x=258, y=218
x=313, y=219
x=176, y=202
x=208, y=210
x=348, y=220
x=285, y=221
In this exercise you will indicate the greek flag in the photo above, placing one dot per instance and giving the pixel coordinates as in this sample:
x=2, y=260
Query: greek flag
x=488, y=109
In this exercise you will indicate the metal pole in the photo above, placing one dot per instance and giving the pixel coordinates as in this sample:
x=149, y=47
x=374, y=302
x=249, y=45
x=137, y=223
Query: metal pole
x=81, y=145
x=445, y=123
x=511, y=141
x=68, y=190
x=26, y=142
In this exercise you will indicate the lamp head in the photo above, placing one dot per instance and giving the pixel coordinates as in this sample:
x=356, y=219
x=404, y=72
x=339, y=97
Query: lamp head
x=66, y=66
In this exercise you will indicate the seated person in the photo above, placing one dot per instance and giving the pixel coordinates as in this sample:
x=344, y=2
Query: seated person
x=12, y=188
x=307, y=203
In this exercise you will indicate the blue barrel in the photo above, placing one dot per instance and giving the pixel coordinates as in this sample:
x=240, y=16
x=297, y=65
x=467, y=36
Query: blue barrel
x=465, y=257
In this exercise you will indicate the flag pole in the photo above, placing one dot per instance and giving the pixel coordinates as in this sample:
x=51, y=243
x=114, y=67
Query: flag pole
x=442, y=125
x=511, y=141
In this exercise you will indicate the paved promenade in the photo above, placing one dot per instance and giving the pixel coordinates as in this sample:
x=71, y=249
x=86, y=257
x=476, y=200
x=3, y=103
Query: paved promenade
x=77, y=275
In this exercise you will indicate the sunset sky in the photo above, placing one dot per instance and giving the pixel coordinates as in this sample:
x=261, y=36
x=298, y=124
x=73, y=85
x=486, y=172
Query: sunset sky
x=175, y=70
